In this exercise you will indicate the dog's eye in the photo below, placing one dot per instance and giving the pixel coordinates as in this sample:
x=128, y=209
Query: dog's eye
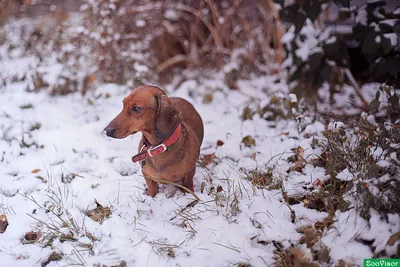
x=136, y=109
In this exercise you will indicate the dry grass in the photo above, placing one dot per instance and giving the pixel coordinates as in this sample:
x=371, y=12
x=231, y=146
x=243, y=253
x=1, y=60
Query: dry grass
x=167, y=35
x=264, y=180
x=60, y=226
x=353, y=151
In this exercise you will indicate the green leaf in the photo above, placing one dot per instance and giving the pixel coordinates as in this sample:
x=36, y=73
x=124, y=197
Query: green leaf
x=299, y=22
x=289, y=13
x=370, y=46
x=393, y=65
x=314, y=61
x=295, y=75
x=374, y=106
x=386, y=45
x=394, y=101
x=360, y=32
x=326, y=72
x=312, y=9
x=337, y=52
x=377, y=95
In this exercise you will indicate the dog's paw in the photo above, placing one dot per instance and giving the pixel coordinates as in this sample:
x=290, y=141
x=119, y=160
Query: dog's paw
x=147, y=193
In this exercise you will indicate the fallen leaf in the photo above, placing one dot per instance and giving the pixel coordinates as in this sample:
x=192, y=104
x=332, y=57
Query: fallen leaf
x=299, y=151
x=99, y=214
x=300, y=260
x=247, y=114
x=248, y=141
x=311, y=235
x=208, y=159
x=298, y=166
x=207, y=98
x=234, y=86
x=3, y=223
x=91, y=78
x=53, y=257
x=393, y=238
x=36, y=170
x=274, y=100
x=298, y=255
x=38, y=83
x=317, y=183
x=220, y=143
x=298, y=158
x=398, y=250
x=323, y=254
x=203, y=185
x=32, y=236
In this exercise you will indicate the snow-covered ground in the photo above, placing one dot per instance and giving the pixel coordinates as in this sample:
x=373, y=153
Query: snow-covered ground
x=55, y=163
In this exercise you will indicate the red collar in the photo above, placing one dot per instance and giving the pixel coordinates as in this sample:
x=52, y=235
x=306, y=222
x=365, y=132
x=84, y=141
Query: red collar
x=152, y=151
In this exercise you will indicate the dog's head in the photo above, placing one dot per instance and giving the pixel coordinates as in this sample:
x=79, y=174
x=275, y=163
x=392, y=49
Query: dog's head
x=146, y=108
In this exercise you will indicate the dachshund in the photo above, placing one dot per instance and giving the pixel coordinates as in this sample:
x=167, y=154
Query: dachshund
x=172, y=133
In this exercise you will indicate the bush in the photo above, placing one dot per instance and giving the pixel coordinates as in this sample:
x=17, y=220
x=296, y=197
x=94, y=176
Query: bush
x=369, y=152
x=318, y=55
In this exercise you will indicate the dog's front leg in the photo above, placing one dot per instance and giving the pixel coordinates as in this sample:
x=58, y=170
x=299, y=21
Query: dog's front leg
x=152, y=186
x=188, y=180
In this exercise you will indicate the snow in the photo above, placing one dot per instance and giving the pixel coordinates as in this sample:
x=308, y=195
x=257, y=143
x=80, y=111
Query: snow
x=331, y=40
x=345, y=175
x=288, y=36
x=361, y=17
x=140, y=23
x=383, y=230
x=390, y=22
x=335, y=126
x=309, y=43
x=346, y=247
x=392, y=37
x=293, y=98
x=343, y=29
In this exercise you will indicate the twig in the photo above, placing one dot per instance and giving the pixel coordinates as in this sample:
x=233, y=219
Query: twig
x=225, y=246
x=355, y=85
x=171, y=62
x=190, y=205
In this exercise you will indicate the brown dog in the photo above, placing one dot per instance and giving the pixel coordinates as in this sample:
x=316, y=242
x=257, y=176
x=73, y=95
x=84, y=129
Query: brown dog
x=165, y=122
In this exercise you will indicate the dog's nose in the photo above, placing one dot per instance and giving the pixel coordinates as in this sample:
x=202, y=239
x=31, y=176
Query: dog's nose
x=109, y=131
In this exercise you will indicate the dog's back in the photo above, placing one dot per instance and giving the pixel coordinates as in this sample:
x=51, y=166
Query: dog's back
x=190, y=116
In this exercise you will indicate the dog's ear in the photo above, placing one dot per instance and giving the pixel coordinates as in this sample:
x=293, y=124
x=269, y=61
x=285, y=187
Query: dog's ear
x=167, y=118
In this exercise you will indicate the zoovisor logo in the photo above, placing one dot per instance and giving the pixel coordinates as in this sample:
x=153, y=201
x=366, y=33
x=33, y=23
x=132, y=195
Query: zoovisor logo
x=382, y=263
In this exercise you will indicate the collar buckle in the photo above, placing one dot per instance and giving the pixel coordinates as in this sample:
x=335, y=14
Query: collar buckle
x=164, y=147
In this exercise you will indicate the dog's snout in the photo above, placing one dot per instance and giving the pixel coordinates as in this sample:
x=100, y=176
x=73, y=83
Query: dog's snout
x=109, y=131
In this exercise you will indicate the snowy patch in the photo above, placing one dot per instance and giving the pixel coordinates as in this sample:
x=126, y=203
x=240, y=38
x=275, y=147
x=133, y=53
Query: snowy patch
x=393, y=37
